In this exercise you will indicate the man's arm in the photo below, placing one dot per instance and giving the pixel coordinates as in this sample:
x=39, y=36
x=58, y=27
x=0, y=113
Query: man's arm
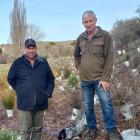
x=107, y=70
x=108, y=54
x=11, y=78
x=51, y=82
x=77, y=55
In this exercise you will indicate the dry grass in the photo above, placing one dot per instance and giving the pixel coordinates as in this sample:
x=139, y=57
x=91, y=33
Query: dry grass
x=4, y=69
x=48, y=48
x=75, y=100
x=7, y=95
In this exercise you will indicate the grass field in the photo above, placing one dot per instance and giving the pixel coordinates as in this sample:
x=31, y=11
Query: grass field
x=4, y=68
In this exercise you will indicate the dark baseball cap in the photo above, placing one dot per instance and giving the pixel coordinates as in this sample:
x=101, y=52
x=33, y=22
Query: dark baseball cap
x=30, y=42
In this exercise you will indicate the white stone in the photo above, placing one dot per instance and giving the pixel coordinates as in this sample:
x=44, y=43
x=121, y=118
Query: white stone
x=119, y=52
x=9, y=112
x=75, y=114
x=19, y=138
x=129, y=134
x=96, y=99
x=126, y=63
x=10, y=87
x=126, y=111
x=134, y=72
x=58, y=78
x=61, y=88
x=138, y=49
x=119, y=85
x=124, y=52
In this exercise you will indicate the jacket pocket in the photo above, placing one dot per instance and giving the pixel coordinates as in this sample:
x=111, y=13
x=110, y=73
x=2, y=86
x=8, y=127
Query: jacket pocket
x=97, y=46
x=97, y=49
x=41, y=98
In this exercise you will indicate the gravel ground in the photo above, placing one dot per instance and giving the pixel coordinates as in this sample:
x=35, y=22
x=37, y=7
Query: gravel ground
x=57, y=118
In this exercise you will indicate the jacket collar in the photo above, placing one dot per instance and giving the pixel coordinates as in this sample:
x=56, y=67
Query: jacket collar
x=97, y=34
x=37, y=58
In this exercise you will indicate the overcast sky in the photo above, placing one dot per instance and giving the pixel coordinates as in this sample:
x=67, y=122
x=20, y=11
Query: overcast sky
x=61, y=19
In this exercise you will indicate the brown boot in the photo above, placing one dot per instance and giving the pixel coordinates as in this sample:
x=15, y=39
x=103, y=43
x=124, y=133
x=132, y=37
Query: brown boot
x=90, y=134
x=114, y=135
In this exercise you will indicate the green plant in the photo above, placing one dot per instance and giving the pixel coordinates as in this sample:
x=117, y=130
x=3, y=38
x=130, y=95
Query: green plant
x=52, y=43
x=6, y=134
x=7, y=95
x=126, y=57
x=66, y=73
x=72, y=81
x=56, y=72
x=7, y=99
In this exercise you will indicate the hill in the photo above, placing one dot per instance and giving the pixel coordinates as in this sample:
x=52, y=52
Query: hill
x=42, y=47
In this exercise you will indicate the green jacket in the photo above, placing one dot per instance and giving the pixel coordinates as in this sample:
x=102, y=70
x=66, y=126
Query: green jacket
x=94, y=58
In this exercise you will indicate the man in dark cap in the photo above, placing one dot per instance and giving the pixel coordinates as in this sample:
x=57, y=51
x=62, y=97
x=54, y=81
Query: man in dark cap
x=33, y=81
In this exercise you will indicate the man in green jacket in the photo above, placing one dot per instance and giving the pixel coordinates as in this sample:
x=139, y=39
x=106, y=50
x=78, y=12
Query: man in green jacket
x=94, y=61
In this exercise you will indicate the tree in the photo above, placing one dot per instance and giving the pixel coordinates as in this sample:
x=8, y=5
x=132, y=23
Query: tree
x=34, y=32
x=125, y=32
x=20, y=30
x=138, y=11
x=18, y=26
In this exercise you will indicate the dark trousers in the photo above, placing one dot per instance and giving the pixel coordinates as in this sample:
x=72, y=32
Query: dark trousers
x=31, y=124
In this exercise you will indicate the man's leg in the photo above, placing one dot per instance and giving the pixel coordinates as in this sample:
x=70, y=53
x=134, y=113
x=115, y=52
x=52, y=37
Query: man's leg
x=108, y=113
x=37, y=125
x=107, y=108
x=88, y=102
x=26, y=124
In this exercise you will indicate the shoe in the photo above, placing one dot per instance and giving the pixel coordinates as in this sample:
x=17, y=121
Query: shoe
x=90, y=134
x=114, y=135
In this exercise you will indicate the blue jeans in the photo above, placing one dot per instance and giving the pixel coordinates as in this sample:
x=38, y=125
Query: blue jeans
x=88, y=91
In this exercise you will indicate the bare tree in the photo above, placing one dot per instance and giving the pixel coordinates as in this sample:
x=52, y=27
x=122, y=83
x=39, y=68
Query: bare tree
x=138, y=11
x=34, y=32
x=20, y=30
x=18, y=26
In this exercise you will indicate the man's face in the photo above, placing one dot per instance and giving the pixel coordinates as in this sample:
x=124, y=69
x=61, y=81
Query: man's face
x=89, y=23
x=31, y=52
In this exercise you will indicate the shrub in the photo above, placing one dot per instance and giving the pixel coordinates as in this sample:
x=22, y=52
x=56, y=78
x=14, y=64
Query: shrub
x=52, y=43
x=7, y=95
x=66, y=73
x=6, y=134
x=56, y=72
x=126, y=57
x=75, y=100
x=72, y=81
x=73, y=43
x=7, y=98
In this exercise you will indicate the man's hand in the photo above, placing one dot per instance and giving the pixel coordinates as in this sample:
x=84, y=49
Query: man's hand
x=105, y=85
x=50, y=96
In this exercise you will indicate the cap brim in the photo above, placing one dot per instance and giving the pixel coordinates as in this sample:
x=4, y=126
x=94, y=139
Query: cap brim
x=30, y=45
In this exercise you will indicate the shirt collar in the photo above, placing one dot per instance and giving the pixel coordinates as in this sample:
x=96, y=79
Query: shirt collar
x=98, y=32
x=37, y=58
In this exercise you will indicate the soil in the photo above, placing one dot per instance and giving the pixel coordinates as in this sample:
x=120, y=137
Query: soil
x=57, y=117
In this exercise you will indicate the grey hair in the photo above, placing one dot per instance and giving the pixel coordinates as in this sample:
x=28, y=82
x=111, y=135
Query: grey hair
x=89, y=12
